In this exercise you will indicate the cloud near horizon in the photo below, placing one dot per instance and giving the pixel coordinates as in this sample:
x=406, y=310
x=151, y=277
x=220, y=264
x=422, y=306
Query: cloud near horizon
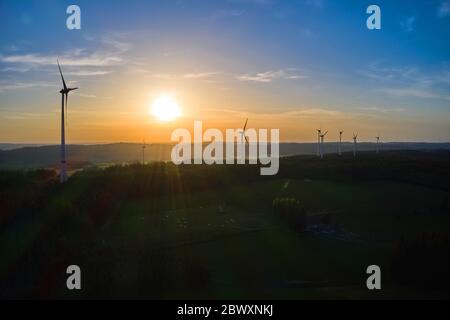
x=269, y=76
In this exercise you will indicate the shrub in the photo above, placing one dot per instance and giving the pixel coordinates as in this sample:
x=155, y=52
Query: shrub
x=290, y=210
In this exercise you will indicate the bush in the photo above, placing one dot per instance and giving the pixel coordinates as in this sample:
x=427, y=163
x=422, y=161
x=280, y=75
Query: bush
x=290, y=210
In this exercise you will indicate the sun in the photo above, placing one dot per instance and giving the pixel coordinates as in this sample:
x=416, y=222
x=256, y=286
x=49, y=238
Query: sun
x=165, y=108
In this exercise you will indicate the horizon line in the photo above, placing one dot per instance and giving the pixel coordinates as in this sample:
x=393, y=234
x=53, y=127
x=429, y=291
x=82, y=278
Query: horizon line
x=207, y=142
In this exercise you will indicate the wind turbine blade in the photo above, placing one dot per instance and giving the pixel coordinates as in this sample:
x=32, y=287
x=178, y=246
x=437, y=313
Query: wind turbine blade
x=62, y=77
x=245, y=125
x=246, y=139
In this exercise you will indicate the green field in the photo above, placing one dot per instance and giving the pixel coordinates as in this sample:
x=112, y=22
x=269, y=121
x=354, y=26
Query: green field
x=156, y=231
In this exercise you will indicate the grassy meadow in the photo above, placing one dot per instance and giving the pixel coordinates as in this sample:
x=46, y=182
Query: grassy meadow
x=163, y=231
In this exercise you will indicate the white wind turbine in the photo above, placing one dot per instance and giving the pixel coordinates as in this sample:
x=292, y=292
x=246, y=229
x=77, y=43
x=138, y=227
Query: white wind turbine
x=355, y=136
x=242, y=132
x=322, y=136
x=340, y=142
x=64, y=96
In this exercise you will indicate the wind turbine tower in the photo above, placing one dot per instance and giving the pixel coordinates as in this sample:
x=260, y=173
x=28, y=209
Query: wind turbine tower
x=340, y=142
x=355, y=136
x=143, y=151
x=243, y=132
x=322, y=136
x=242, y=144
x=64, y=96
x=319, y=131
x=378, y=143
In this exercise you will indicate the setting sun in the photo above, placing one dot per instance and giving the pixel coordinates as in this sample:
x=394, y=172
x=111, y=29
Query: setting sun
x=165, y=108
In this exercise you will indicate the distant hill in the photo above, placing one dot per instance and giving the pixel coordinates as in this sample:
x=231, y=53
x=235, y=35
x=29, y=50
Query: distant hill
x=81, y=155
x=11, y=146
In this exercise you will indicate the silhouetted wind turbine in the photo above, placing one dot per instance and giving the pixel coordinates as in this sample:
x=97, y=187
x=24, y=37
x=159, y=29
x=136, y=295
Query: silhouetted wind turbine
x=64, y=94
x=355, y=136
x=340, y=142
x=319, y=131
x=378, y=142
x=322, y=136
x=143, y=151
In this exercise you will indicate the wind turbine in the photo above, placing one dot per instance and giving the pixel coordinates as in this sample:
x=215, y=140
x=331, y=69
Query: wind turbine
x=340, y=142
x=319, y=131
x=355, y=136
x=242, y=132
x=143, y=151
x=64, y=94
x=242, y=145
x=378, y=142
x=321, y=144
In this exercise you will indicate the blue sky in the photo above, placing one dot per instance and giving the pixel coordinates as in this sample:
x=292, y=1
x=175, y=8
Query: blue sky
x=299, y=64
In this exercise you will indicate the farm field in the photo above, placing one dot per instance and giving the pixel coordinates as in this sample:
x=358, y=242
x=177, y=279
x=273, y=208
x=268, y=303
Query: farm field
x=204, y=232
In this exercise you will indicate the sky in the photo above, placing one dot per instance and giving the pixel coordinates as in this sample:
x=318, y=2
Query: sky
x=292, y=65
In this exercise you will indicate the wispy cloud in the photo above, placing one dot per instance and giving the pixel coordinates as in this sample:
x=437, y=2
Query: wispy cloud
x=37, y=59
x=410, y=81
x=158, y=75
x=24, y=85
x=312, y=112
x=174, y=76
x=269, y=76
x=87, y=73
x=400, y=74
x=12, y=48
x=407, y=25
x=119, y=46
x=199, y=75
x=382, y=109
x=300, y=113
x=413, y=92
x=110, y=53
x=306, y=112
x=20, y=69
x=444, y=10
x=22, y=115
x=89, y=96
